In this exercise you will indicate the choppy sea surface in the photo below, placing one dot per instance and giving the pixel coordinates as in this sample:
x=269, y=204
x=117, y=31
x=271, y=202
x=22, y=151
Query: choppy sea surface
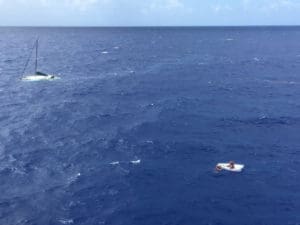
x=132, y=131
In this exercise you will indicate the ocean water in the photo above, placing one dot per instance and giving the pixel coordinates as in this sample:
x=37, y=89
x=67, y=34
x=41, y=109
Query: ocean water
x=132, y=131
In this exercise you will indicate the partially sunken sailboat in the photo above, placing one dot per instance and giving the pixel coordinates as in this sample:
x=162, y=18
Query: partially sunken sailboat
x=37, y=76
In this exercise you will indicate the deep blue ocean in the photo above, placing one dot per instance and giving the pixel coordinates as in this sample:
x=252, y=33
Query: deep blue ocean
x=131, y=132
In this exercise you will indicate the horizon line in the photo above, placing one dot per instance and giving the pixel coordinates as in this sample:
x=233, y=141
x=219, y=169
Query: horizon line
x=140, y=26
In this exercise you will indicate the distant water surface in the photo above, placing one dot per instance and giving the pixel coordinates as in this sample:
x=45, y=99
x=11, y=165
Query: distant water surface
x=132, y=131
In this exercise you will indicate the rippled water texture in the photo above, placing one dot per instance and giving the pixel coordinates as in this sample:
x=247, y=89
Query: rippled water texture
x=132, y=131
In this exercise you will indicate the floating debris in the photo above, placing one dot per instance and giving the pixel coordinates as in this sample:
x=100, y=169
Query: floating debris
x=136, y=161
x=66, y=221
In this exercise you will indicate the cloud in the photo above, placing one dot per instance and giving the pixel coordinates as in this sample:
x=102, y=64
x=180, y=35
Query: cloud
x=218, y=8
x=173, y=4
x=83, y=5
x=163, y=5
x=286, y=4
x=269, y=6
x=80, y=5
x=165, y=8
x=145, y=12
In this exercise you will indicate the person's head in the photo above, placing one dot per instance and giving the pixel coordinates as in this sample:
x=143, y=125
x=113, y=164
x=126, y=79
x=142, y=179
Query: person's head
x=231, y=164
x=218, y=168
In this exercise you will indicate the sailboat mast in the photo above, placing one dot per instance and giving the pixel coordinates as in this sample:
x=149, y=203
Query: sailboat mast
x=36, y=55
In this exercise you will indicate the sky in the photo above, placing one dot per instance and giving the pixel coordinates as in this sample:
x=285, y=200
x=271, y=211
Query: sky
x=149, y=12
